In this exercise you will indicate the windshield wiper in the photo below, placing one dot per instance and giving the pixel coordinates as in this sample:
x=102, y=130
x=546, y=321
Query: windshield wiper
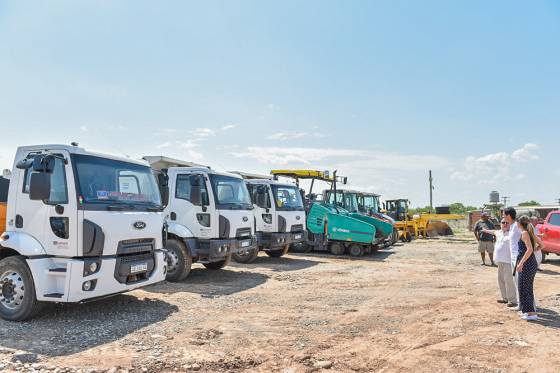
x=119, y=206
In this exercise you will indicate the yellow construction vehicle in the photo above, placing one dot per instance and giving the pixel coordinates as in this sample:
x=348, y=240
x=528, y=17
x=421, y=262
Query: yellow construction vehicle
x=418, y=225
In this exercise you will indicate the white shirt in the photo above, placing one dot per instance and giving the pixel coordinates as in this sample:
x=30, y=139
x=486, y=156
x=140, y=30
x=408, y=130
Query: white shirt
x=502, y=253
x=514, y=237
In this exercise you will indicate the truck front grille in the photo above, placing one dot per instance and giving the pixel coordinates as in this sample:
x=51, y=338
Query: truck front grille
x=297, y=228
x=142, y=245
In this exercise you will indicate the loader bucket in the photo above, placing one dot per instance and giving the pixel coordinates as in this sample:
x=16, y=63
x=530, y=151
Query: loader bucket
x=438, y=228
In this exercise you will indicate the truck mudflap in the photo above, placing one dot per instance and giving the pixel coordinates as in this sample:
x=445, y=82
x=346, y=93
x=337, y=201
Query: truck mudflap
x=68, y=280
x=278, y=239
x=208, y=251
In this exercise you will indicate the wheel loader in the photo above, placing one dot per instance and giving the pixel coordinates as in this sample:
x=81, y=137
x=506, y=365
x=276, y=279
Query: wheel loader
x=330, y=227
x=419, y=225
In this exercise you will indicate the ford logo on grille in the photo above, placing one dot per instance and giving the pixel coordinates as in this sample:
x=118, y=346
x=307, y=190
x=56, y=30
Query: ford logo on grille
x=245, y=219
x=139, y=225
x=298, y=217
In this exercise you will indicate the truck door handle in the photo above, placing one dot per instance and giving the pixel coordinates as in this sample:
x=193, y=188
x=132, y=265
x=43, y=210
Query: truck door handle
x=19, y=221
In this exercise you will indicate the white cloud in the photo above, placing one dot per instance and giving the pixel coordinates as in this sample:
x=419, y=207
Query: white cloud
x=283, y=156
x=83, y=128
x=229, y=127
x=282, y=136
x=495, y=168
x=166, y=144
x=203, y=132
x=526, y=153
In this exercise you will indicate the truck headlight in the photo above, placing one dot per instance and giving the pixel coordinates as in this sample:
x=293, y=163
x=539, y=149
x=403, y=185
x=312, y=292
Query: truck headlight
x=267, y=218
x=93, y=267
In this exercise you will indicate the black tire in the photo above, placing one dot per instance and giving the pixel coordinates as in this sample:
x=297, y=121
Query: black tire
x=179, y=260
x=247, y=258
x=336, y=248
x=395, y=237
x=12, y=269
x=278, y=253
x=219, y=265
x=356, y=250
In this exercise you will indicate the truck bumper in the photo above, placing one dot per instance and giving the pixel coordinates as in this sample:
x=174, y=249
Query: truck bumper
x=67, y=280
x=215, y=250
x=276, y=240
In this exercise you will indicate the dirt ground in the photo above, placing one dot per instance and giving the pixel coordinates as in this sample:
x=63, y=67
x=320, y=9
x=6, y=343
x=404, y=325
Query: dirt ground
x=427, y=306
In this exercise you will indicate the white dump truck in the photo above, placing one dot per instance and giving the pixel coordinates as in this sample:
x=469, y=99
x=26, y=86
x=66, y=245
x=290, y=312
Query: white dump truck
x=209, y=216
x=79, y=226
x=279, y=216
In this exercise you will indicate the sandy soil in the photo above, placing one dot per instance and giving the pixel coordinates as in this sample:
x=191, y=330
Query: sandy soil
x=427, y=306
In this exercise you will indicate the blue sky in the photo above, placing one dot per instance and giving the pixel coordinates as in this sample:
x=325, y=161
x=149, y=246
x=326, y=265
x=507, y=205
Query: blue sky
x=383, y=91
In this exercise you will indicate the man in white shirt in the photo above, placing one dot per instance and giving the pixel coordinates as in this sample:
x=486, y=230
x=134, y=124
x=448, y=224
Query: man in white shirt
x=510, y=216
x=502, y=256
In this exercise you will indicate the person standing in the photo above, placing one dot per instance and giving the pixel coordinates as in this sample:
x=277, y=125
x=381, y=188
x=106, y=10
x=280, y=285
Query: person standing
x=485, y=240
x=502, y=255
x=510, y=216
x=538, y=249
x=526, y=269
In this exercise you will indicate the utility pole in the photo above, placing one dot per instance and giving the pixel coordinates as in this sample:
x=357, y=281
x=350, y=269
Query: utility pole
x=505, y=200
x=431, y=192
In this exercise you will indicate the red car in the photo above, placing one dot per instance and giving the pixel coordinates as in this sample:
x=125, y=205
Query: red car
x=550, y=231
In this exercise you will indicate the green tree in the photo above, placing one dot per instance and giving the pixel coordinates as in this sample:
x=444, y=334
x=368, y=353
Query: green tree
x=529, y=203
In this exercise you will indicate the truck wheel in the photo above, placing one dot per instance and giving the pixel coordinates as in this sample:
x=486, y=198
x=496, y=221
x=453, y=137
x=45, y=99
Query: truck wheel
x=18, y=300
x=336, y=249
x=356, y=250
x=249, y=257
x=179, y=260
x=278, y=253
x=395, y=237
x=219, y=265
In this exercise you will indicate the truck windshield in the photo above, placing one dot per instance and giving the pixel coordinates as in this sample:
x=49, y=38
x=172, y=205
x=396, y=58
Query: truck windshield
x=370, y=204
x=287, y=198
x=108, y=181
x=230, y=192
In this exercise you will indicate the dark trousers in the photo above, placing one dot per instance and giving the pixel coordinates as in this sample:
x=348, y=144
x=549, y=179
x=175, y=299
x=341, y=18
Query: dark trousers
x=526, y=278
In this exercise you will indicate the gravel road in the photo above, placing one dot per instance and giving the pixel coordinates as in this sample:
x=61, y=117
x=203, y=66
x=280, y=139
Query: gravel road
x=424, y=306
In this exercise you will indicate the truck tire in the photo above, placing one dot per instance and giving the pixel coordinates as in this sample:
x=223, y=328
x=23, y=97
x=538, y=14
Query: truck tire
x=219, y=265
x=356, y=250
x=278, y=253
x=18, y=300
x=336, y=248
x=179, y=260
x=246, y=258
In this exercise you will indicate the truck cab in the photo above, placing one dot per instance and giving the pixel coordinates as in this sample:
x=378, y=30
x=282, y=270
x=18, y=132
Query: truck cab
x=79, y=226
x=279, y=216
x=209, y=216
x=550, y=231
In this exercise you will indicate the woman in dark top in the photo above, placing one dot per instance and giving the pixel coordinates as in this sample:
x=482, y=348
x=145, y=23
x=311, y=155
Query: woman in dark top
x=526, y=269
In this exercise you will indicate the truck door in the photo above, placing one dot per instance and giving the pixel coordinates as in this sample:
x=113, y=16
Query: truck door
x=197, y=216
x=52, y=222
x=265, y=215
x=551, y=233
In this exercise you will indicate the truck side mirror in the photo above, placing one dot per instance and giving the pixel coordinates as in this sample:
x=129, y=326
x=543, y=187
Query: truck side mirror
x=40, y=186
x=163, y=183
x=260, y=198
x=44, y=163
x=196, y=195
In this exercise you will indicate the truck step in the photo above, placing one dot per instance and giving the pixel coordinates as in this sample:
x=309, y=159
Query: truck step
x=53, y=295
